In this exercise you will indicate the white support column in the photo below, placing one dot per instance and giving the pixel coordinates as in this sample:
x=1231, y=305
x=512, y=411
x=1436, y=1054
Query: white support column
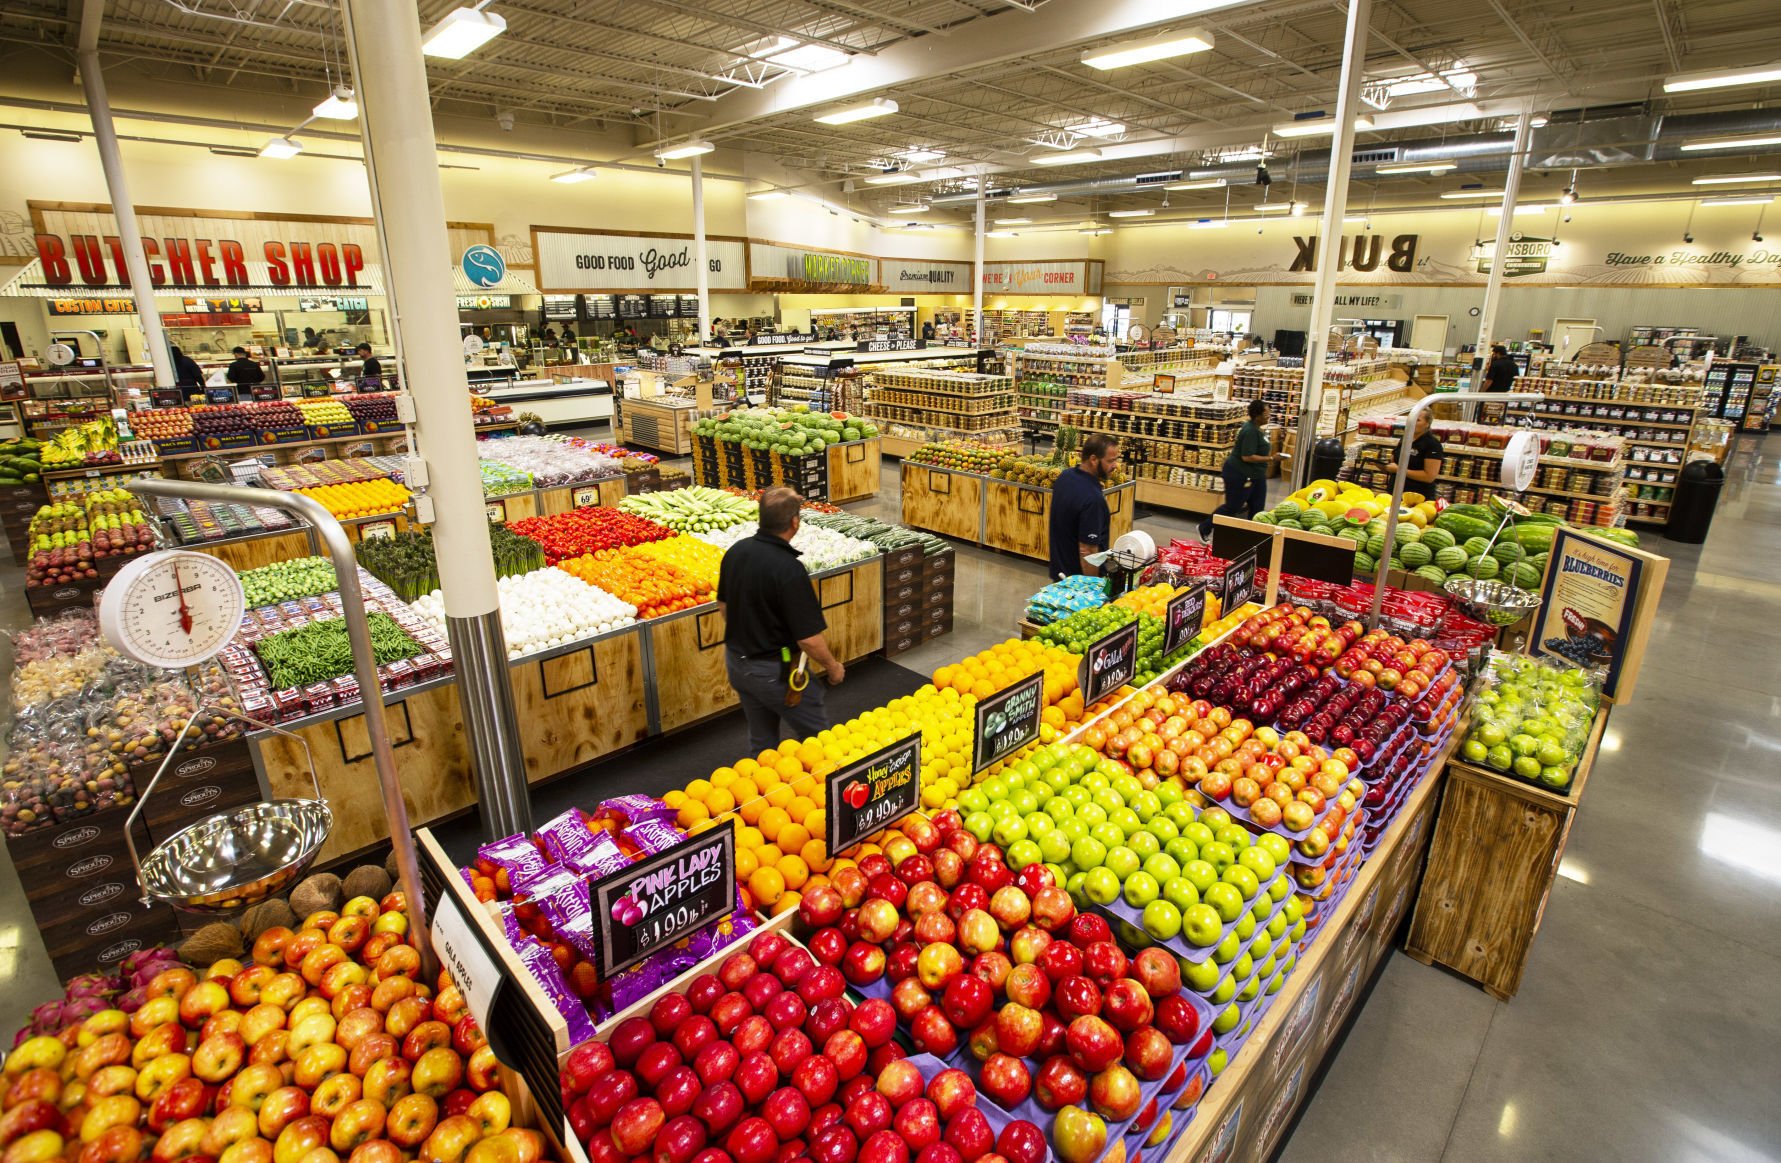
x=977, y=265
x=699, y=260
x=1329, y=235
x=1493, y=286
x=142, y=288
x=402, y=164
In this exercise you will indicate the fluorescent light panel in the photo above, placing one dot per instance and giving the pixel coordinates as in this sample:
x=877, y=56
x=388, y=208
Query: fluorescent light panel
x=570, y=177
x=768, y=195
x=921, y=156
x=1209, y=224
x=1000, y=234
x=337, y=106
x=1417, y=168
x=877, y=107
x=1014, y=222
x=1525, y=208
x=1031, y=199
x=1130, y=213
x=1202, y=184
x=1294, y=207
x=899, y=178
x=686, y=149
x=1316, y=126
x=1731, y=142
x=1471, y=195
x=911, y=208
x=1067, y=157
x=461, y=32
x=1099, y=127
x=1156, y=48
x=1723, y=78
x=1446, y=82
x=281, y=148
x=1737, y=179
x=1736, y=201
x=809, y=58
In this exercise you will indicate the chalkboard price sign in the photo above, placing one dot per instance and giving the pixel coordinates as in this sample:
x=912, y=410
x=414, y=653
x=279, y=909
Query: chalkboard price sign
x=1109, y=663
x=873, y=793
x=657, y=901
x=1182, y=617
x=1239, y=580
x=1007, y=721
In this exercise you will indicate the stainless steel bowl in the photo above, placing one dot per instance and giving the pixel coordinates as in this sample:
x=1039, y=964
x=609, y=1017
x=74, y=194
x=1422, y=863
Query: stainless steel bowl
x=1495, y=602
x=233, y=860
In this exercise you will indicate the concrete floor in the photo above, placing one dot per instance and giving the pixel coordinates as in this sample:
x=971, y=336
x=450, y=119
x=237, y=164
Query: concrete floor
x=1646, y=1028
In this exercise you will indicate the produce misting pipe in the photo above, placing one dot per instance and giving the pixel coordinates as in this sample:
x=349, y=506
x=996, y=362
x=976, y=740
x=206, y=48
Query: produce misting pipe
x=1397, y=488
x=364, y=665
x=1328, y=254
x=1493, y=285
x=402, y=166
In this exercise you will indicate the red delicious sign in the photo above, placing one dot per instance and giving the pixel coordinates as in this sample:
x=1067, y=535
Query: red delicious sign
x=98, y=261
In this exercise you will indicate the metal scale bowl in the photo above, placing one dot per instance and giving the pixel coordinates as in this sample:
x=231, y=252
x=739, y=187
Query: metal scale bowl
x=1493, y=601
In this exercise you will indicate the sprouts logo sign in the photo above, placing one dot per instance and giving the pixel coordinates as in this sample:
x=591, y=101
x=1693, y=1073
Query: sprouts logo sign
x=1523, y=256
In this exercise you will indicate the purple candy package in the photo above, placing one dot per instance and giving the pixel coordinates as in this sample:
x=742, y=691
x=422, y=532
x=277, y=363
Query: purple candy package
x=569, y=841
x=517, y=854
x=654, y=836
x=634, y=809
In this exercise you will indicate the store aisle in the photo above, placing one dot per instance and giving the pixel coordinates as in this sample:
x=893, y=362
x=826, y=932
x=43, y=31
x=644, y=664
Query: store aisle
x=1645, y=1028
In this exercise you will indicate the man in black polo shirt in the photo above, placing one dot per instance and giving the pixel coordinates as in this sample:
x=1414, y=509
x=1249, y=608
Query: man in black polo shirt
x=770, y=614
x=1079, y=515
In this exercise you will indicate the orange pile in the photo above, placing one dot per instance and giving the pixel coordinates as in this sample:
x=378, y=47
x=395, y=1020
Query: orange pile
x=653, y=586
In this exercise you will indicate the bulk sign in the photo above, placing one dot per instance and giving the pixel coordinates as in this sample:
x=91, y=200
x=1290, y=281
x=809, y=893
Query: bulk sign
x=575, y=261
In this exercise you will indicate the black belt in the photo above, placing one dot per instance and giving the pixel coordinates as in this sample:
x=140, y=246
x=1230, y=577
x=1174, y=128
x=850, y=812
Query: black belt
x=773, y=654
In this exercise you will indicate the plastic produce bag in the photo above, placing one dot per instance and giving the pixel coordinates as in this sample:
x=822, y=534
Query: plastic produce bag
x=1532, y=720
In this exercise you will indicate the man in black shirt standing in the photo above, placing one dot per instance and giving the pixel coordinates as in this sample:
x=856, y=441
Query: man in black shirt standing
x=1499, y=375
x=1080, y=518
x=370, y=368
x=244, y=372
x=771, y=614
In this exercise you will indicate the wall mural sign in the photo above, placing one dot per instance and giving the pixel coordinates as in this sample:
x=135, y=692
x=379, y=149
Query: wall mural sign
x=770, y=260
x=1079, y=277
x=571, y=260
x=920, y=276
x=1524, y=256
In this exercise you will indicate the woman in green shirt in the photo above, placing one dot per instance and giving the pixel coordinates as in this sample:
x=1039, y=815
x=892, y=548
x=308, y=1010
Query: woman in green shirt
x=1245, y=472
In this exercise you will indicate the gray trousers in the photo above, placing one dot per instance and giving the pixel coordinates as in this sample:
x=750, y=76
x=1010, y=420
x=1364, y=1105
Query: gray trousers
x=762, y=691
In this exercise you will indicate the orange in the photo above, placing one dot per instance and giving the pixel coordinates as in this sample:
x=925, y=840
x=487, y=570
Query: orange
x=674, y=799
x=815, y=854
x=768, y=757
x=788, y=747
x=809, y=755
x=799, y=808
x=698, y=789
x=792, y=838
x=751, y=809
x=767, y=885
x=772, y=822
x=748, y=837
x=789, y=768
x=692, y=812
x=780, y=795
x=815, y=822
x=720, y=801
x=794, y=870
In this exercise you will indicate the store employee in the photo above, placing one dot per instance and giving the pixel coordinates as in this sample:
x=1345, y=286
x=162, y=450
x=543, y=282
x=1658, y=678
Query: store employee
x=1425, y=452
x=1080, y=519
x=243, y=371
x=1500, y=373
x=771, y=614
x=370, y=367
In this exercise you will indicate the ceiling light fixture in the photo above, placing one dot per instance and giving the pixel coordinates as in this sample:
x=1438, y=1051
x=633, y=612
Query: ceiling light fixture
x=1731, y=142
x=877, y=107
x=570, y=177
x=1030, y=199
x=1525, y=208
x=1098, y=127
x=1471, y=195
x=1316, y=125
x=1203, y=184
x=1209, y=224
x=1754, y=201
x=1448, y=81
x=788, y=53
x=1293, y=207
x=686, y=149
x=49, y=135
x=1737, y=179
x=281, y=148
x=338, y=105
x=772, y=195
x=911, y=208
x=922, y=156
x=1417, y=168
x=1097, y=233
x=1067, y=157
x=1130, y=213
x=461, y=32
x=1157, y=48
x=1723, y=78
x=1000, y=234
x=894, y=178
x=1014, y=222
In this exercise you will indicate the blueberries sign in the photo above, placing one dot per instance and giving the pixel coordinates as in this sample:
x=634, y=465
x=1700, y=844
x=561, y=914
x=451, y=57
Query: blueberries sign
x=655, y=902
x=1239, y=581
x=1109, y=663
x=873, y=793
x=1182, y=617
x=1007, y=721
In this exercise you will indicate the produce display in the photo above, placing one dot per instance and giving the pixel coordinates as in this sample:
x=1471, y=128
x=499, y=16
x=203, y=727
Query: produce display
x=795, y=431
x=885, y=537
x=500, y=480
x=408, y=565
x=959, y=455
x=69, y=538
x=821, y=548
x=693, y=556
x=194, y=521
x=543, y=609
x=1531, y=720
x=324, y=411
x=652, y=586
x=93, y=442
x=284, y=581
x=550, y=461
x=588, y=530
x=324, y=472
x=163, y=425
x=360, y=499
x=319, y=651
x=694, y=510
x=1064, y=597
x=371, y=408
x=1077, y=631
x=20, y=462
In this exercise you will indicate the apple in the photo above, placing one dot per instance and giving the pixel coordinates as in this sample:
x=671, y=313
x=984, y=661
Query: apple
x=411, y=1120
x=1177, y=1018
x=586, y=1064
x=281, y=1108
x=788, y=1048
x=752, y=1141
x=787, y=1111
x=387, y=1079
x=1028, y=985
x=909, y=997
x=1006, y=1080
x=820, y=983
x=1078, y=1136
x=836, y=1144
x=653, y=1065
x=719, y=1107
x=1126, y=1006
x=1059, y=960
x=636, y=1124
x=877, y=920
x=1018, y=1029
x=679, y=1140
x=863, y=964
x=428, y=1035
x=1077, y=997
x=1060, y=1083
x=933, y=1034
x=817, y=1079
x=917, y=1122
x=335, y=1094
x=1148, y=1053
x=938, y=964
x=993, y=967
x=966, y=1001
x=677, y=1091
x=826, y=1017
x=970, y=1134
x=978, y=931
x=729, y=1012
x=754, y=1035
x=701, y=993
x=1093, y=1043
x=756, y=1077
x=821, y=906
x=713, y=1064
x=867, y=1113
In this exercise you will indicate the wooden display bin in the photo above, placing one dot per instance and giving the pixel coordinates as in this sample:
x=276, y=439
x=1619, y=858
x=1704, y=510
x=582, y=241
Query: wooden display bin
x=853, y=470
x=1497, y=846
x=942, y=501
x=581, y=702
x=653, y=425
x=1017, y=518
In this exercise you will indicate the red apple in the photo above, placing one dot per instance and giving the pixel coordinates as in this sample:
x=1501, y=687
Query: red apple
x=1006, y=1080
x=1077, y=997
x=753, y=1036
x=847, y=1051
x=1126, y=1006
x=817, y=1079
x=834, y=1145
x=1061, y=1083
x=629, y=1040
x=669, y=1011
x=970, y=1134
x=1114, y=1094
x=918, y=1123
x=695, y=1032
x=933, y=1034
x=1148, y=1053
x=966, y=1001
x=884, y=1147
x=1093, y=1043
x=1177, y=1018
x=787, y=1111
x=752, y=1141
x=826, y=1017
x=867, y=1113
x=1060, y=960
x=1104, y=962
x=1022, y=1142
x=719, y=1107
x=756, y=1077
x=1018, y=1029
x=716, y=1063
x=678, y=1091
x=1028, y=985
x=951, y=1091
x=1157, y=971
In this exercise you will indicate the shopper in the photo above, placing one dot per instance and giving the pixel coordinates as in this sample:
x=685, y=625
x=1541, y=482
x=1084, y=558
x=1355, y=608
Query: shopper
x=1499, y=375
x=244, y=371
x=927, y=331
x=1425, y=452
x=1245, y=471
x=569, y=336
x=550, y=337
x=370, y=368
x=1080, y=519
x=771, y=616
x=186, y=372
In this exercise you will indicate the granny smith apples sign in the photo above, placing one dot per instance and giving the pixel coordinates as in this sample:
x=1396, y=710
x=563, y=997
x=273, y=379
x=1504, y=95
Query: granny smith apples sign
x=1007, y=721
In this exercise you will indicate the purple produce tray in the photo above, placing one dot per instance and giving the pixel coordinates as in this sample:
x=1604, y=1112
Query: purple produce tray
x=1179, y=1115
x=929, y=1066
x=1178, y=945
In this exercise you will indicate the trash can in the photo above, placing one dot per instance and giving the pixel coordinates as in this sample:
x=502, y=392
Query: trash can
x=1691, y=510
x=1326, y=460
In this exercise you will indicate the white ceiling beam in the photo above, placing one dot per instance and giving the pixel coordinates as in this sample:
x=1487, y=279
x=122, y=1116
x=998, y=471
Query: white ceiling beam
x=994, y=39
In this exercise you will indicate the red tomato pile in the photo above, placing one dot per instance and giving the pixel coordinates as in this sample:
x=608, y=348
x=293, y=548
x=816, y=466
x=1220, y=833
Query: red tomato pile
x=590, y=530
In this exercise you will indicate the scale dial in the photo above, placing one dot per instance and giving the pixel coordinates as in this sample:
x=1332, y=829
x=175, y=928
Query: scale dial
x=173, y=608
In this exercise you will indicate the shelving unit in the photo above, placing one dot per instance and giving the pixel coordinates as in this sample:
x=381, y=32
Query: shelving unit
x=1583, y=492
x=1045, y=374
x=919, y=404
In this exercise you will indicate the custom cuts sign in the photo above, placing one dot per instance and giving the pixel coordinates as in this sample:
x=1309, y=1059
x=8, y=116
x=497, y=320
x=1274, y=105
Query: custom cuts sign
x=576, y=260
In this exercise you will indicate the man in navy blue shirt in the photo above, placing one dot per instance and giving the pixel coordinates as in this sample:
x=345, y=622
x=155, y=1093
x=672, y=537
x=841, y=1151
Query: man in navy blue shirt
x=1079, y=515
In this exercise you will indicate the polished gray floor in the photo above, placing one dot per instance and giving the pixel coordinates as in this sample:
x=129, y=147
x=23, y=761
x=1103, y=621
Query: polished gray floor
x=1647, y=1027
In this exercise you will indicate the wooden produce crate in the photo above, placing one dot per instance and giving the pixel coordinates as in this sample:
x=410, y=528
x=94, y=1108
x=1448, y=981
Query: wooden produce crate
x=652, y=425
x=1018, y=517
x=1496, y=852
x=944, y=502
x=580, y=702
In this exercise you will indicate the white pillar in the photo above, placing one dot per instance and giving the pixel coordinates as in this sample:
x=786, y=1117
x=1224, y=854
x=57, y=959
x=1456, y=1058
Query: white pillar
x=699, y=260
x=402, y=163
x=142, y=288
x=1329, y=235
x=977, y=265
x=1493, y=286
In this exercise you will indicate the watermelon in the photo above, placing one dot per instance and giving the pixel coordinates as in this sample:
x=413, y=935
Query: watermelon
x=1287, y=508
x=1264, y=518
x=1415, y=554
x=1480, y=512
x=1524, y=575
x=1353, y=533
x=1538, y=561
x=1463, y=526
x=1365, y=564
x=1437, y=538
x=1475, y=546
x=1507, y=552
x=1376, y=545
x=1289, y=523
x=1433, y=572
x=1409, y=532
x=1451, y=558
x=1482, y=568
x=1376, y=526
x=1315, y=517
x=1621, y=536
x=1534, y=538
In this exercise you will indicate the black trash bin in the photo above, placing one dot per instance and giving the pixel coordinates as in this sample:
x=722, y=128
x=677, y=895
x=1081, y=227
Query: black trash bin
x=1326, y=460
x=1691, y=511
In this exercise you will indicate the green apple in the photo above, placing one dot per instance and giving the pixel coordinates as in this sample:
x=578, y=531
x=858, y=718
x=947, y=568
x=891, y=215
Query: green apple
x=1168, y=793
x=1145, y=844
x=1555, y=777
x=1038, y=824
x=1023, y=852
x=1243, y=879
x=1108, y=801
x=1140, y=889
x=1125, y=819
x=1248, y=992
x=1490, y=734
x=1091, y=814
x=1179, y=813
x=1277, y=926
x=1261, y=908
x=994, y=788
x=1202, y=925
x=1225, y=990
x=1227, y=949
x=1199, y=833
x=1162, y=828
x=1073, y=828
x=1226, y=898
x=1551, y=753
x=1025, y=801
x=1258, y=861
x=1059, y=808
x=1217, y=1061
x=1076, y=886
x=1276, y=846
x=1245, y=926
x=1102, y=886
x=1266, y=967
x=1162, y=866
x=1298, y=930
x=1201, y=874
x=1127, y=786
x=1227, y=1020
x=1275, y=982
x=1500, y=757
x=1180, y=892
x=1243, y=969
x=1076, y=794
x=1182, y=849
x=1236, y=835
x=1096, y=780
x=1523, y=744
x=1108, y=833
x=1131, y=936
x=972, y=799
x=1218, y=854
x=1088, y=853
x=1526, y=766
x=1122, y=862
x=1162, y=920
x=1201, y=976
x=1000, y=810
x=1054, y=846
x=1145, y=805
x=1279, y=890
x=980, y=825
x=1294, y=910
x=1009, y=830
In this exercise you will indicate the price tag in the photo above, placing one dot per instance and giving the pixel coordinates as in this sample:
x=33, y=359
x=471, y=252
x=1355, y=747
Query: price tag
x=1109, y=663
x=586, y=497
x=497, y=513
x=1182, y=617
x=1239, y=581
x=474, y=972
x=874, y=793
x=1007, y=721
x=655, y=902
x=380, y=530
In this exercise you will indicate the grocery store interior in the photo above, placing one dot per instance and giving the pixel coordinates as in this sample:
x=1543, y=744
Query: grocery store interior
x=1418, y=807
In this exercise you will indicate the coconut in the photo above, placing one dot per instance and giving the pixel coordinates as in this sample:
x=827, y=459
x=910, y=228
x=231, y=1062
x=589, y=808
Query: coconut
x=319, y=893
x=266, y=915
x=366, y=880
x=212, y=943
